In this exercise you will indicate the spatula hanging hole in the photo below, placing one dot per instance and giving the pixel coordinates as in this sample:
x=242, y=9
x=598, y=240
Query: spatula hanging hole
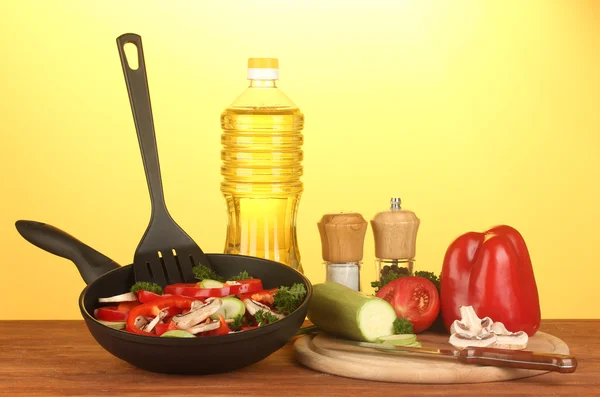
x=164, y=267
x=179, y=265
x=149, y=270
x=174, y=252
x=131, y=53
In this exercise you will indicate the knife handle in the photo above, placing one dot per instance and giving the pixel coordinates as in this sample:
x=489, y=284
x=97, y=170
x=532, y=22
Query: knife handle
x=518, y=359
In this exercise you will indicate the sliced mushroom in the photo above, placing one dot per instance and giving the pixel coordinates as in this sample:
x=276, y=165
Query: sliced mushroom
x=199, y=304
x=140, y=322
x=460, y=341
x=150, y=326
x=253, y=306
x=515, y=341
x=499, y=329
x=196, y=316
x=470, y=324
x=204, y=327
x=127, y=297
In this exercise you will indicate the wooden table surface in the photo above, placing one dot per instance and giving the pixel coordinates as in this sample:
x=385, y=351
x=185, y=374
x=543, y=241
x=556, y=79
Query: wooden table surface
x=64, y=360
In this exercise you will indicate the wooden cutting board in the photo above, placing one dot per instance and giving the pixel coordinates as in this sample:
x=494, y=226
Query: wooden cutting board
x=317, y=352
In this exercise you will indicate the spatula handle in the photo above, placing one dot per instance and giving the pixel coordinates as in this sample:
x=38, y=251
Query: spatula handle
x=141, y=107
x=518, y=359
x=90, y=263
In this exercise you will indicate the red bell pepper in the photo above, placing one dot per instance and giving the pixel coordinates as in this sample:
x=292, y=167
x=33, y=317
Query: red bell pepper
x=162, y=328
x=127, y=306
x=222, y=330
x=492, y=272
x=194, y=291
x=266, y=297
x=110, y=313
x=153, y=308
x=147, y=296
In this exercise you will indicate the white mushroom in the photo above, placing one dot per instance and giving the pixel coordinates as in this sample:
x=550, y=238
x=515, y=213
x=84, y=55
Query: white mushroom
x=470, y=324
x=514, y=341
x=196, y=316
x=253, y=306
x=470, y=330
x=127, y=297
x=460, y=341
x=150, y=326
x=509, y=340
x=140, y=322
x=204, y=327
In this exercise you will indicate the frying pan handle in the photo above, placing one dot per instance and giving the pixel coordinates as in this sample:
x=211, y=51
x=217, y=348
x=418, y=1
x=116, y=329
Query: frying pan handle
x=141, y=107
x=90, y=263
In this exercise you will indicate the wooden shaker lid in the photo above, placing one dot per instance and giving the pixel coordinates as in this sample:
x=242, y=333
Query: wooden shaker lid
x=395, y=232
x=342, y=237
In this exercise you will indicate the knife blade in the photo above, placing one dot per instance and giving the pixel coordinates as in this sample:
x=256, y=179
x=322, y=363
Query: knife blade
x=523, y=359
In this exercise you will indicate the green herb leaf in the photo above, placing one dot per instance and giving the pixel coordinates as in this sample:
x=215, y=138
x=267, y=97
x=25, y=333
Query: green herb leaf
x=263, y=318
x=431, y=277
x=385, y=280
x=146, y=286
x=202, y=272
x=242, y=276
x=403, y=326
x=288, y=299
x=237, y=323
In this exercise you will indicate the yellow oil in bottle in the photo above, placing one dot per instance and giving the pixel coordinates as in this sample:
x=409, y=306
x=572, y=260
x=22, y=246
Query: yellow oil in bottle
x=261, y=168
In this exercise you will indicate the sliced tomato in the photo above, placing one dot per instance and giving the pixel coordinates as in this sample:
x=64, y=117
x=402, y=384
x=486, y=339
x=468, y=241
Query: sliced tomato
x=147, y=296
x=414, y=298
x=110, y=313
x=127, y=306
x=162, y=328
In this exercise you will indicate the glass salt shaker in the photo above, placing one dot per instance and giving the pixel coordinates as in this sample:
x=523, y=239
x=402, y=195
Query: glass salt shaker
x=395, y=234
x=342, y=240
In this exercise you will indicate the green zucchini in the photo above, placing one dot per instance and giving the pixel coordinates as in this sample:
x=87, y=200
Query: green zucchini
x=208, y=283
x=113, y=324
x=231, y=308
x=398, y=340
x=342, y=311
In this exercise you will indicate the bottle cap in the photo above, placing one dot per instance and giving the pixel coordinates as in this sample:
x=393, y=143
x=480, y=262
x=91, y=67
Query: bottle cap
x=395, y=232
x=342, y=237
x=263, y=69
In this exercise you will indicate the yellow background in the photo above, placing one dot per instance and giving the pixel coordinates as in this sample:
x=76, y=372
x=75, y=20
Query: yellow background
x=474, y=113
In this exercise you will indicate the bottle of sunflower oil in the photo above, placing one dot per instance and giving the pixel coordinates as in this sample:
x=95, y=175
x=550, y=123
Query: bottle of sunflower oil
x=261, y=168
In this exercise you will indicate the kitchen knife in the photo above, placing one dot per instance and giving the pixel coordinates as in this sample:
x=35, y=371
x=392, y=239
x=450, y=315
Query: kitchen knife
x=496, y=357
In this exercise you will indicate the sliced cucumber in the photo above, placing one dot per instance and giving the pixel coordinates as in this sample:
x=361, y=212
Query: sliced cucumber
x=177, y=333
x=416, y=344
x=398, y=340
x=231, y=308
x=113, y=324
x=208, y=283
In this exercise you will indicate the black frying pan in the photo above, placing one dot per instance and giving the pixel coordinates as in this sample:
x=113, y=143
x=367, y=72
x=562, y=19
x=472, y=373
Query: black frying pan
x=212, y=354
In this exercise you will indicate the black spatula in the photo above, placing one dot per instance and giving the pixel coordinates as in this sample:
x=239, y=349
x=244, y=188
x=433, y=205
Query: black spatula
x=166, y=253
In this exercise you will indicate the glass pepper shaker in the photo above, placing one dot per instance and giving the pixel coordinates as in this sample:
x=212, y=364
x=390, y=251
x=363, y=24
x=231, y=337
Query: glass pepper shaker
x=342, y=241
x=395, y=234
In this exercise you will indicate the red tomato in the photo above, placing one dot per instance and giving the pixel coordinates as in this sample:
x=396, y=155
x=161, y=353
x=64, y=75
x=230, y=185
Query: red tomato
x=415, y=298
x=110, y=313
